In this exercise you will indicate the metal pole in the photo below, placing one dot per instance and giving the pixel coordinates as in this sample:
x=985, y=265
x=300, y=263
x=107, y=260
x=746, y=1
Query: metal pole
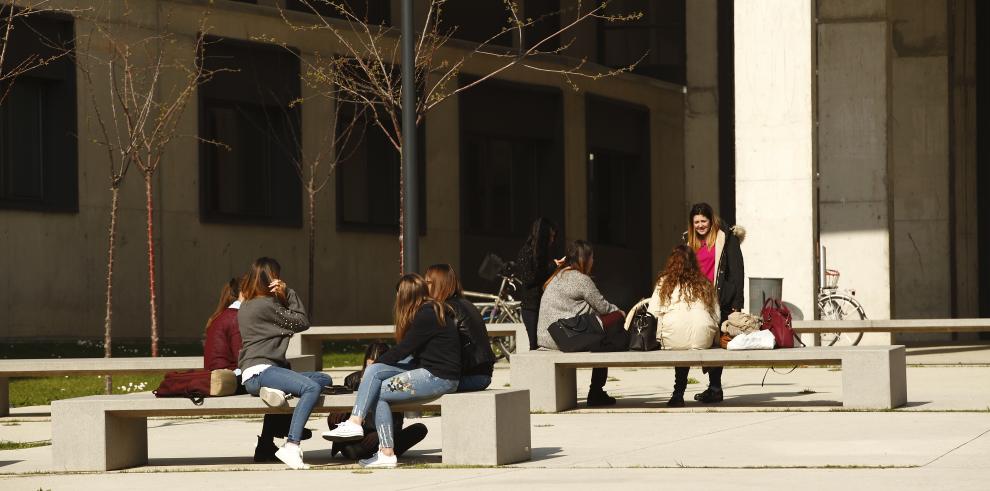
x=410, y=241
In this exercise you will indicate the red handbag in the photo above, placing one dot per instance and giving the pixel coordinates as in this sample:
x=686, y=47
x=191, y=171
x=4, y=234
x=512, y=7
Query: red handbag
x=194, y=384
x=777, y=319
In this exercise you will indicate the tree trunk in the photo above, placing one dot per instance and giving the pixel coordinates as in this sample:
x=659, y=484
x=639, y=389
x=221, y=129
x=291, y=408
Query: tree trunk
x=312, y=249
x=111, y=244
x=149, y=208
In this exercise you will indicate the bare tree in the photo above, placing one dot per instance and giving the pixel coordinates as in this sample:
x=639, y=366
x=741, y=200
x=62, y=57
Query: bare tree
x=363, y=71
x=148, y=90
x=15, y=17
x=343, y=131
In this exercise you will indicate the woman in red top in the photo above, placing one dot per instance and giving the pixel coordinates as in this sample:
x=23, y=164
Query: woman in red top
x=223, y=344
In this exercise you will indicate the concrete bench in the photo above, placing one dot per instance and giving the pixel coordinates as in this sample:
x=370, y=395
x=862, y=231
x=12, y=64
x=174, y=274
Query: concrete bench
x=108, y=366
x=100, y=433
x=310, y=341
x=811, y=330
x=873, y=377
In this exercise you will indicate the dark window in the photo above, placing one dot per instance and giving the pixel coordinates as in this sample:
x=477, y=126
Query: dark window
x=368, y=180
x=546, y=21
x=618, y=153
x=38, y=168
x=609, y=181
x=251, y=176
x=476, y=20
x=659, y=34
x=370, y=11
x=512, y=156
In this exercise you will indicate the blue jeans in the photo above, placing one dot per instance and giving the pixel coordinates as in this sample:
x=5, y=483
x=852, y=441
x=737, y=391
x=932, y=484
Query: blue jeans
x=306, y=386
x=472, y=383
x=377, y=391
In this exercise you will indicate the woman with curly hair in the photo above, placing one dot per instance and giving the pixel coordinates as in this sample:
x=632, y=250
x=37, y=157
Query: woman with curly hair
x=686, y=307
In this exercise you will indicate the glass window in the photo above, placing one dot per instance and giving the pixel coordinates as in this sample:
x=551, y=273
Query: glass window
x=371, y=11
x=251, y=176
x=659, y=34
x=38, y=143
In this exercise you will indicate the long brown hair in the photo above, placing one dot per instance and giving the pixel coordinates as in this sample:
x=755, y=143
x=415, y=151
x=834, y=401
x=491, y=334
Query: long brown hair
x=682, y=271
x=228, y=294
x=715, y=224
x=443, y=282
x=579, y=257
x=263, y=272
x=411, y=293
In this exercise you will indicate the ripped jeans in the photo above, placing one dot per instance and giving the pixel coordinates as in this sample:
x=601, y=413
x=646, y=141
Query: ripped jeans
x=383, y=384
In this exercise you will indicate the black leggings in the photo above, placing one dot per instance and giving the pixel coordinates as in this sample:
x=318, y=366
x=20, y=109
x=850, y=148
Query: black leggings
x=530, y=318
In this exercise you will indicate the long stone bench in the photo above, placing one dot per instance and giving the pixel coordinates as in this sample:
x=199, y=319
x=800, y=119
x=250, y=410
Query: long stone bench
x=873, y=377
x=813, y=329
x=310, y=341
x=100, y=433
x=50, y=367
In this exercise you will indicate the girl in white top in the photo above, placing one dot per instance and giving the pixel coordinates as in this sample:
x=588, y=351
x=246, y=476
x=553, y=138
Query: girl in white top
x=684, y=303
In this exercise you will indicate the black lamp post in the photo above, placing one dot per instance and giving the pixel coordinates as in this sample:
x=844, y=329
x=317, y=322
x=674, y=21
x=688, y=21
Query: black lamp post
x=410, y=241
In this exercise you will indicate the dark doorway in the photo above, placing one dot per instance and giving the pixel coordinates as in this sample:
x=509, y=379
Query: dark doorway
x=983, y=150
x=618, y=158
x=512, y=160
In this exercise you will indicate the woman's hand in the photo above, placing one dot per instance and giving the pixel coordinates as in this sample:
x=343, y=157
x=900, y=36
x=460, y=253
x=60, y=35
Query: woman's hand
x=278, y=288
x=561, y=261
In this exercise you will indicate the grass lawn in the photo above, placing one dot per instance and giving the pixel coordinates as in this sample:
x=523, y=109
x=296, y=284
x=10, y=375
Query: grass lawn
x=34, y=391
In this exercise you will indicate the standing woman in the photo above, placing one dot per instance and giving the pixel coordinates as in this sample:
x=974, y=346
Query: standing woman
x=477, y=358
x=270, y=314
x=570, y=292
x=425, y=329
x=534, y=265
x=720, y=260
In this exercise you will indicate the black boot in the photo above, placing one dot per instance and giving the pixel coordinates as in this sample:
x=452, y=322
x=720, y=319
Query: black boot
x=676, y=399
x=265, y=450
x=600, y=398
x=709, y=396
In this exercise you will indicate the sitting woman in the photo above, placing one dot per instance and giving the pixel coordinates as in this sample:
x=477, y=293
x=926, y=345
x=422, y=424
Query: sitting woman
x=570, y=292
x=223, y=343
x=477, y=358
x=405, y=438
x=425, y=329
x=269, y=315
x=686, y=309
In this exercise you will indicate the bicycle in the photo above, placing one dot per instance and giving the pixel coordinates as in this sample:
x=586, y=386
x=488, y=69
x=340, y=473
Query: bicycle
x=835, y=304
x=500, y=307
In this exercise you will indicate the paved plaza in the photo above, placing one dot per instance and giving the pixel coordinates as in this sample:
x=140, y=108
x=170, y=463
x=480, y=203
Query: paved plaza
x=788, y=432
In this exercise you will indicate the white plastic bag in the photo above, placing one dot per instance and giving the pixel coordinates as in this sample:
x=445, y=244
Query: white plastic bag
x=753, y=340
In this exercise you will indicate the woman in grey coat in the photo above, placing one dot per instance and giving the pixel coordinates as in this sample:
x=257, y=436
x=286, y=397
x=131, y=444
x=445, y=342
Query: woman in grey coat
x=571, y=292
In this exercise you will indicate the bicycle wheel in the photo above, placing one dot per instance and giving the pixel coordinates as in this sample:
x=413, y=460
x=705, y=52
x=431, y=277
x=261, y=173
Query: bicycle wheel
x=841, y=307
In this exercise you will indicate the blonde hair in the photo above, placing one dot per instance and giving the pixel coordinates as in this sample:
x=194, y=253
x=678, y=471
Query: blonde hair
x=411, y=293
x=715, y=224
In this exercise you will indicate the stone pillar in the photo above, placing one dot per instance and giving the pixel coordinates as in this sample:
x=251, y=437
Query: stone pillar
x=853, y=150
x=575, y=166
x=775, y=192
x=701, y=103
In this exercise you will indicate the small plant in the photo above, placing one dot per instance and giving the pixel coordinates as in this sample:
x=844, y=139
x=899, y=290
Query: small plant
x=506, y=385
x=612, y=379
x=9, y=445
x=807, y=391
x=692, y=380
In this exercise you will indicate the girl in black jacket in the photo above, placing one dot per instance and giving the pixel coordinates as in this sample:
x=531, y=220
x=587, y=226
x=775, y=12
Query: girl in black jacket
x=425, y=329
x=533, y=267
x=477, y=358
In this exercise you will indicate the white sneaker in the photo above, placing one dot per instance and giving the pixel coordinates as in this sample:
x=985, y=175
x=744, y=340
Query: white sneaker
x=292, y=457
x=345, y=431
x=272, y=397
x=379, y=461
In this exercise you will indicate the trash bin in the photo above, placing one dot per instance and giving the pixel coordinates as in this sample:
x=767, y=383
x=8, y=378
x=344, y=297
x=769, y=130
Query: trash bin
x=760, y=289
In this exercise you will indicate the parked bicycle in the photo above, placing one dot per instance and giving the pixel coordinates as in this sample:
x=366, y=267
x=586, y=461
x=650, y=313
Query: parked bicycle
x=836, y=304
x=500, y=307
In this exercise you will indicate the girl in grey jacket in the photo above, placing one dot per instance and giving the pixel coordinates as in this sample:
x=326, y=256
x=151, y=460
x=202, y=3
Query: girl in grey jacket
x=571, y=292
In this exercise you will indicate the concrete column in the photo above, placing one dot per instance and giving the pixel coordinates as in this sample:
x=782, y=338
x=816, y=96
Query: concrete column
x=963, y=156
x=575, y=167
x=701, y=103
x=853, y=150
x=775, y=195
x=442, y=242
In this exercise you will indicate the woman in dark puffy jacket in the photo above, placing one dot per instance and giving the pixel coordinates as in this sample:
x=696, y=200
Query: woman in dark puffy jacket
x=533, y=267
x=477, y=358
x=223, y=343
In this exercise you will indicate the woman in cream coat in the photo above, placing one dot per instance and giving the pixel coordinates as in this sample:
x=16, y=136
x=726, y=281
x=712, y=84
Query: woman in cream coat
x=686, y=308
